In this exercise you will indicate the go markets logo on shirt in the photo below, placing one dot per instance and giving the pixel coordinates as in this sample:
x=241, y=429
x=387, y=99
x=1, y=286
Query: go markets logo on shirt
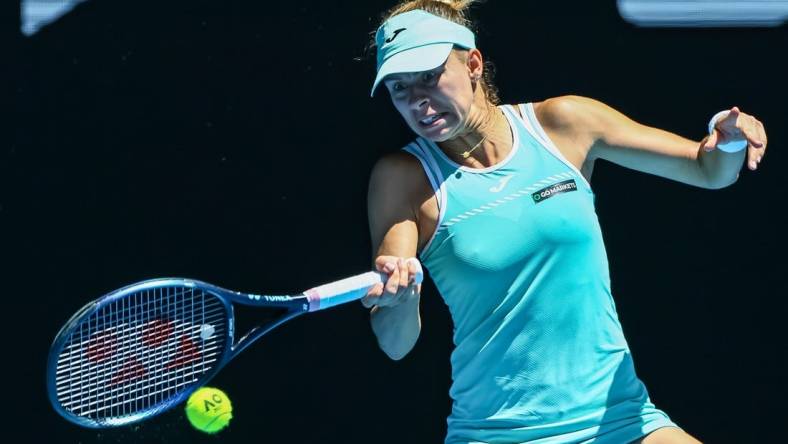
x=558, y=188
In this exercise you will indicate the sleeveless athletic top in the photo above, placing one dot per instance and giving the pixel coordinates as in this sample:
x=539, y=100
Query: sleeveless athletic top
x=519, y=259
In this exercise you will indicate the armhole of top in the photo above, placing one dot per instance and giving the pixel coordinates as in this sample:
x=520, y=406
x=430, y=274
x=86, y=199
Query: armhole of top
x=535, y=128
x=435, y=176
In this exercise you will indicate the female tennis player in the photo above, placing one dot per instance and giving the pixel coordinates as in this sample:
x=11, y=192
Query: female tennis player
x=495, y=200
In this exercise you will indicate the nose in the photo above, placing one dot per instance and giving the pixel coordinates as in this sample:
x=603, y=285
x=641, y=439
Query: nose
x=419, y=102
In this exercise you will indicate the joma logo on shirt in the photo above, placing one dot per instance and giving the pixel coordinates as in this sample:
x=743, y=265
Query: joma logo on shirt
x=558, y=188
x=501, y=184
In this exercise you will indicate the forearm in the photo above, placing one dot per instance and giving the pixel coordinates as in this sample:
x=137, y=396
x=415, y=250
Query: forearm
x=720, y=168
x=397, y=327
x=619, y=139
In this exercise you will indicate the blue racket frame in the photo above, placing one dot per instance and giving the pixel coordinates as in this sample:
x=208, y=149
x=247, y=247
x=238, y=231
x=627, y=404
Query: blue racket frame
x=296, y=306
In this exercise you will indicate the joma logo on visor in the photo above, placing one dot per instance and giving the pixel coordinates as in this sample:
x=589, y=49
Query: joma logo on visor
x=395, y=34
x=558, y=188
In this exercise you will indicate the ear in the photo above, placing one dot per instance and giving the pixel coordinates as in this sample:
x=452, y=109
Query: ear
x=475, y=64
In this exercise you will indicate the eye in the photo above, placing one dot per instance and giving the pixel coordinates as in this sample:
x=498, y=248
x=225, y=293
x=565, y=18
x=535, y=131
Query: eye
x=397, y=86
x=429, y=76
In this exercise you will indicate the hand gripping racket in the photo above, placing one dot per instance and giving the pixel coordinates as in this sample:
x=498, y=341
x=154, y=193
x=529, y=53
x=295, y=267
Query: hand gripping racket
x=144, y=348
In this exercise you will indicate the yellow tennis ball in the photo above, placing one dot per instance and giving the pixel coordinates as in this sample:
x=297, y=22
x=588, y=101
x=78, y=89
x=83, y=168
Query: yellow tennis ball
x=209, y=409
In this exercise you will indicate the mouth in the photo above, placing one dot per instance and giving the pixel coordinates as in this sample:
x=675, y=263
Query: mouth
x=431, y=120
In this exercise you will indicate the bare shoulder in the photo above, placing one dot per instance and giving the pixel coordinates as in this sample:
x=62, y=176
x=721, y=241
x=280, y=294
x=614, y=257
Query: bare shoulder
x=396, y=166
x=401, y=205
x=399, y=169
x=571, y=123
x=399, y=176
x=568, y=114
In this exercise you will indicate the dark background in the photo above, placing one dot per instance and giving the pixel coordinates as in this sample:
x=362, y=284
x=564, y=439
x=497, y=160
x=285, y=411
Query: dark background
x=231, y=141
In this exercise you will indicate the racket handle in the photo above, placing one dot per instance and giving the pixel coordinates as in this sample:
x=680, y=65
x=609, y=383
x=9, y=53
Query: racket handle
x=352, y=288
x=342, y=291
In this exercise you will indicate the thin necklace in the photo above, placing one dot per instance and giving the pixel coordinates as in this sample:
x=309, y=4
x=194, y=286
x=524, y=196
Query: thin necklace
x=467, y=154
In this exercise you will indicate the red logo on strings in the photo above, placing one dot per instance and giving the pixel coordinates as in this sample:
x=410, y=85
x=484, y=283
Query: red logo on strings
x=155, y=334
x=186, y=354
x=131, y=370
x=101, y=347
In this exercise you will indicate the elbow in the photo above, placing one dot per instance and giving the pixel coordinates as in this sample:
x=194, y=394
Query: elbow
x=396, y=355
x=398, y=350
x=397, y=330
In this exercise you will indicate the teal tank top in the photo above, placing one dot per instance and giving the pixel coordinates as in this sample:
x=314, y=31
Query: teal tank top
x=518, y=257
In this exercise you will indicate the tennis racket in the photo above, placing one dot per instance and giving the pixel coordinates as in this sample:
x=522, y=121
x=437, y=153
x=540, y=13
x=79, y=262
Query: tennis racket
x=144, y=348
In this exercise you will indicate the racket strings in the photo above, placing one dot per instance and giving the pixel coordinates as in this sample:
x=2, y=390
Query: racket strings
x=124, y=338
x=140, y=351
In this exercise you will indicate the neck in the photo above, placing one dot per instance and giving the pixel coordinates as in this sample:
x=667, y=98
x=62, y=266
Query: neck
x=485, y=141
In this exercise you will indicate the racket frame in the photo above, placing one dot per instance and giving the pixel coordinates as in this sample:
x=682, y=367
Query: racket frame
x=295, y=305
x=317, y=298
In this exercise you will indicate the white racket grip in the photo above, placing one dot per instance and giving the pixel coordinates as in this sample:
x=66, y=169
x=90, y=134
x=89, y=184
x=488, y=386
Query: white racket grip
x=352, y=288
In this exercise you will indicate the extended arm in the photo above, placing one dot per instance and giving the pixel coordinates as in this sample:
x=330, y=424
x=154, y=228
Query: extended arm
x=604, y=133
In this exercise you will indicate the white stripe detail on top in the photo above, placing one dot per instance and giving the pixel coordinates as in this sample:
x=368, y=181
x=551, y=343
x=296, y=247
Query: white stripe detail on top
x=424, y=153
x=442, y=195
x=535, y=128
x=490, y=205
x=423, y=150
x=416, y=151
x=437, y=181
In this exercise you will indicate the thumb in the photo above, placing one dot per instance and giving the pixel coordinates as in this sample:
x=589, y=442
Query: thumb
x=730, y=119
x=374, y=291
x=711, y=141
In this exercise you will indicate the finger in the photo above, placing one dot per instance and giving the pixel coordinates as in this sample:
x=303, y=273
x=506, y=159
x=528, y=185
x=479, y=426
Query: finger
x=390, y=267
x=754, y=141
x=730, y=119
x=730, y=123
x=752, y=159
x=752, y=135
x=404, y=274
x=761, y=136
x=416, y=272
x=757, y=154
x=757, y=145
x=382, y=261
x=375, y=291
x=733, y=117
x=373, y=296
x=393, y=283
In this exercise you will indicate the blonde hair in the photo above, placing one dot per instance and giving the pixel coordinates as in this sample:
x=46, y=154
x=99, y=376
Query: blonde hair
x=455, y=11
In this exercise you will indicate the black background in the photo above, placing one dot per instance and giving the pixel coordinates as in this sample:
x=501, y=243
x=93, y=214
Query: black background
x=231, y=142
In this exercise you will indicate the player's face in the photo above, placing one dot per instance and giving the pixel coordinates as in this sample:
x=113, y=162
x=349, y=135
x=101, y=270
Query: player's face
x=435, y=104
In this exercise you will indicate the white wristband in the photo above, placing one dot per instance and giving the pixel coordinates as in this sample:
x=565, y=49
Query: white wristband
x=731, y=146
